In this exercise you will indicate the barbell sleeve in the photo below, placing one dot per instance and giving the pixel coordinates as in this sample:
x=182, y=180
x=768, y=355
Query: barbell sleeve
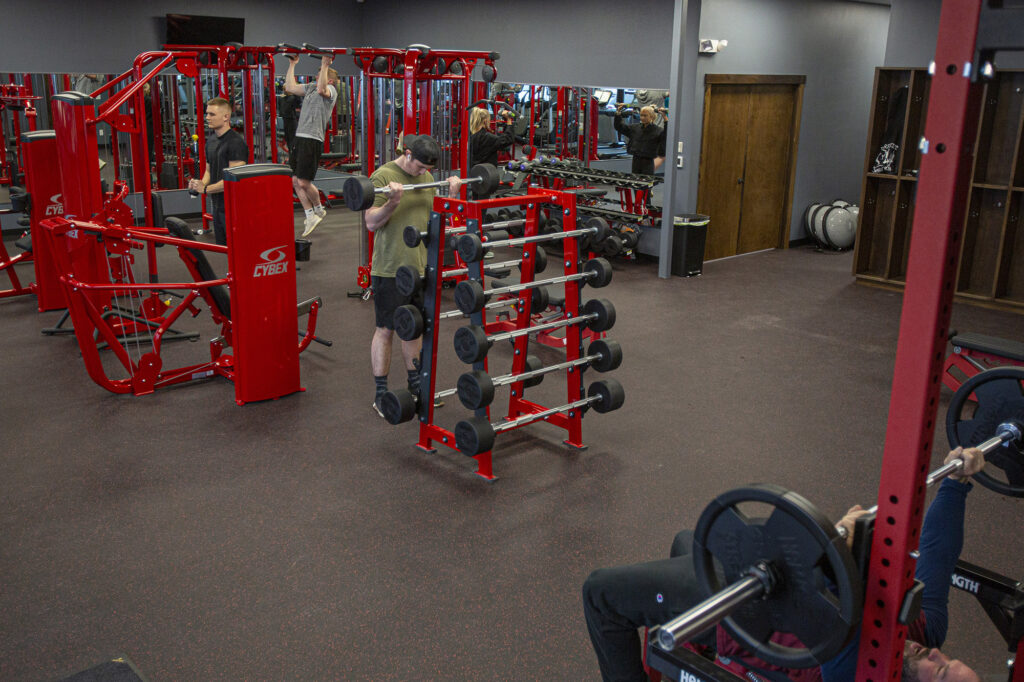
x=709, y=612
x=523, y=376
x=580, y=319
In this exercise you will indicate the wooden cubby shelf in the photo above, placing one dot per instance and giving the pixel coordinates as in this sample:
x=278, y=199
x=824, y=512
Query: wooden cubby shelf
x=991, y=265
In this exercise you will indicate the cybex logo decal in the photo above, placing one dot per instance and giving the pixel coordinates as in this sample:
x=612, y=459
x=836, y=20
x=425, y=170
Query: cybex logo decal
x=272, y=264
x=965, y=584
x=56, y=206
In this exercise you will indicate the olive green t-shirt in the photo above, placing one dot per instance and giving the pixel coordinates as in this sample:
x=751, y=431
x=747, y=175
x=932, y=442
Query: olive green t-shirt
x=389, y=250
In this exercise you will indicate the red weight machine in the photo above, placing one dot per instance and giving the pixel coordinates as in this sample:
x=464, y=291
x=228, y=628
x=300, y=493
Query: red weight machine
x=16, y=101
x=258, y=305
x=444, y=115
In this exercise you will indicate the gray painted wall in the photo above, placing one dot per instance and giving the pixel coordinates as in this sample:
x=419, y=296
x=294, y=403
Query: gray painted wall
x=837, y=45
x=912, y=32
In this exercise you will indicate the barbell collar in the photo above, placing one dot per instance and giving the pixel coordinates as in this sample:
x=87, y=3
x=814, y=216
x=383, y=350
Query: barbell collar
x=711, y=611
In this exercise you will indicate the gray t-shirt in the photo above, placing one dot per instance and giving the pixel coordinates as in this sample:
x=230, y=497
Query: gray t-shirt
x=316, y=112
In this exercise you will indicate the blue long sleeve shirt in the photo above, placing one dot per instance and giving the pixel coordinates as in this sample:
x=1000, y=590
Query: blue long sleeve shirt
x=942, y=538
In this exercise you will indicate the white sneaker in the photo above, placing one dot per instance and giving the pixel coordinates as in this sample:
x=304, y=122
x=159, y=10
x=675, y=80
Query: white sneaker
x=310, y=224
x=320, y=211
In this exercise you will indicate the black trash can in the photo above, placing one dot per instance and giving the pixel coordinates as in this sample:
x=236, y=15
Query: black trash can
x=690, y=232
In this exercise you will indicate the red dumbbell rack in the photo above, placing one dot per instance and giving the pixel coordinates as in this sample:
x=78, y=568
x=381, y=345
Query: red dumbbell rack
x=471, y=212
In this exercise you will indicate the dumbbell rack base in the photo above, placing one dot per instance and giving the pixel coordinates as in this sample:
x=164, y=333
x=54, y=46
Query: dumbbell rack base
x=471, y=213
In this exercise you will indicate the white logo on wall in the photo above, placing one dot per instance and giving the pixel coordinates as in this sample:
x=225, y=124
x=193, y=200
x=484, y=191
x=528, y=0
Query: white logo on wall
x=56, y=206
x=272, y=262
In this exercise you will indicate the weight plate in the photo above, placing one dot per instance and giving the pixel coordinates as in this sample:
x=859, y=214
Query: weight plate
x=407, y=280
x=471, y=344
x=533, y=363
x=605, y=312
x=818, y=594
x=610, y=352
x=470, y=248
x=408, y=322
x=611, y=392
x=474, y=436
x=398, y=406
x=600, y=271
x=475, y=389
x=978, y=407
x=540, y=299
x=469, y=296
x=412, y=236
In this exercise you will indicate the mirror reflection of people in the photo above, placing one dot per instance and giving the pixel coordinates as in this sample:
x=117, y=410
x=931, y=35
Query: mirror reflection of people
x=317, y=104
x=619, y=600
x=483, y=144
x=87, y=83
x=225, y=148
x=646, y=139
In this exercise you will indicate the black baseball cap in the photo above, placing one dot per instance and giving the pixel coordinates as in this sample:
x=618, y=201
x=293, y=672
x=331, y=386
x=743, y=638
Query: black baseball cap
x=424, y=148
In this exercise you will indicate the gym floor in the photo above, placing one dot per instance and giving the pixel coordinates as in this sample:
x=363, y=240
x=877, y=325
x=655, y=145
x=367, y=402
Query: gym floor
x=305, y=538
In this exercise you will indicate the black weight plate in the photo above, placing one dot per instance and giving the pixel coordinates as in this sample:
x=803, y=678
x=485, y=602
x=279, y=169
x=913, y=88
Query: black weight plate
x=471, y=344
x=601, y=272
x=489, y=181
x=488, y=73
x=612, y=245
x=998, y=396
x=610, y=352
x=542, y=261
x=533, y=363
x=808, y=555
x=475, y=389
x=408, y=322
x=412, y=236
x=398, y=406
x=469, y=247
x=379, y=64
x=540, y=299
x=407, y=280
x=605, y=312
x=469, y=296
x=611, y=392
x=359, y=192
x=474, y=436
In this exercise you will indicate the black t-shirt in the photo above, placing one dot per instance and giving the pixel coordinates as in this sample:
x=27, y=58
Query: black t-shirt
x=485, y=145
x=220, y=151
x=644, y=141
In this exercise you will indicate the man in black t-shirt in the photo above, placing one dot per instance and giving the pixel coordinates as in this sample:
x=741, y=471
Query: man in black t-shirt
x=225, y=148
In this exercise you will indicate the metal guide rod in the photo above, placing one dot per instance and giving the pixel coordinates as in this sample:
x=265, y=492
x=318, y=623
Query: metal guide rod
x=524, y=286
x=512, y=378
x=541, y=327
x=710, y=612
x=542, y=237
x=537, y=416
x=503, y=303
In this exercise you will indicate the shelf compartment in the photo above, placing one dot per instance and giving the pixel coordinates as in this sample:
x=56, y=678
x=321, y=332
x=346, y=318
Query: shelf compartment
x=917, y=106
x=888, y=116
x=1010, y=284
x=983, y=235
x=877, y=212
x=903, y=220
x=999, y=129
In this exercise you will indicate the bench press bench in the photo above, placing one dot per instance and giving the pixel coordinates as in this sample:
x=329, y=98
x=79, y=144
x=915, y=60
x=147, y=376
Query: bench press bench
x=974, y=353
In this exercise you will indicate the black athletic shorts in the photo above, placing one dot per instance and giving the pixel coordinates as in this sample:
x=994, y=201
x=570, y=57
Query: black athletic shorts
x=305, y=158
x=386, y=300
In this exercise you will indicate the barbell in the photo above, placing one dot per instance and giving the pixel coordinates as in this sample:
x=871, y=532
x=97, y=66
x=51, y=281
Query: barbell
x=476, y=435
x=470, y=295
x=409, y=324
x=471, y=248
x=472, y=343
x=765, y=574
x=476, y=388
x=408, y=281
x=401, y=405
x=359, y=190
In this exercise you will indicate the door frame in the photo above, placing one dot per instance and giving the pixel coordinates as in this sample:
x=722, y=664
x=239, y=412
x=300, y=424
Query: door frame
x=712, y=79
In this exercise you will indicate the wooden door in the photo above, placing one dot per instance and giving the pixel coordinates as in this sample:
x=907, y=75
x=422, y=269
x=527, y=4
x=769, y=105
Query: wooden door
x=748, y=158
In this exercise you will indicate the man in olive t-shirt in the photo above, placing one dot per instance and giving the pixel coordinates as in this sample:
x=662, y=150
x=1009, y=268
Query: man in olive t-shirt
x=387, y=219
